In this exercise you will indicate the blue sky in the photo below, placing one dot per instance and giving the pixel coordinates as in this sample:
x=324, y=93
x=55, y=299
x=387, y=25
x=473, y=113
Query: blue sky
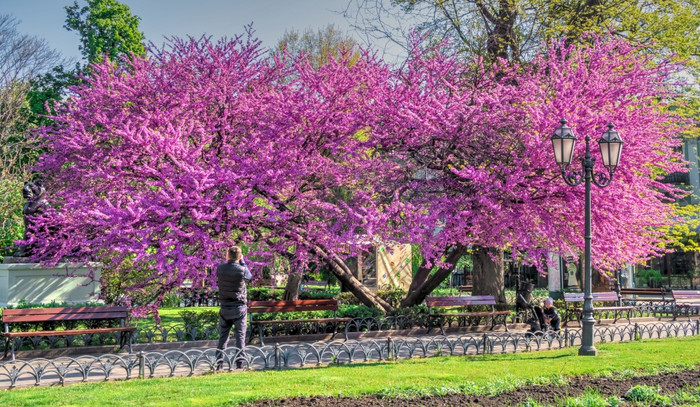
x=161, y=18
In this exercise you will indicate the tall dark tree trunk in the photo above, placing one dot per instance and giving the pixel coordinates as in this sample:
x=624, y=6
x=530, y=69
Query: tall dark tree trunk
x=424, y=283
x=291, y=290
x=488, y=274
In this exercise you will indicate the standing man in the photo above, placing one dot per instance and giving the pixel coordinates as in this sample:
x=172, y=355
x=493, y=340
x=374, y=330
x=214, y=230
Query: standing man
x=231, y=277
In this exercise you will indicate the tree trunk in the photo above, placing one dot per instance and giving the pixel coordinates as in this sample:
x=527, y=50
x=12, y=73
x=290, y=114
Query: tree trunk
x=291, y=290
x=345, y=276
x=424, y=283
x=352, y=284
x=488, y=274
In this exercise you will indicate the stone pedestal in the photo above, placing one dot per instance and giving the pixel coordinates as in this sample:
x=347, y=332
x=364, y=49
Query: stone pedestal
x=34, y=284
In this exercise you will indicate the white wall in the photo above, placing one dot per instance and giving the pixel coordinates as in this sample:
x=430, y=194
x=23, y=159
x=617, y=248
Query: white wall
x=69, y=283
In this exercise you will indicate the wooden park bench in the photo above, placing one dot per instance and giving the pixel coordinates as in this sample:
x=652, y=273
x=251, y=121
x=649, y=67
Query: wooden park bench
x=11, y=317
x=649, y=295
x=655, y=301
x=462, y=302
x=256, y=307
x=686, y=300
x=609, y=297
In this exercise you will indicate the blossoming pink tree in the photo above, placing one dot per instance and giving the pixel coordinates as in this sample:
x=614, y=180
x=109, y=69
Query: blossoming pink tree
x=482, y=136
x=157, y=167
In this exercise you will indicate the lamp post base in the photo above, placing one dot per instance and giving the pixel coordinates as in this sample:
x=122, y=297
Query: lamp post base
x=587, y=351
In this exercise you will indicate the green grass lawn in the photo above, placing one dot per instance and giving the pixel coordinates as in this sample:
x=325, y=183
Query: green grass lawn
x=423, y=376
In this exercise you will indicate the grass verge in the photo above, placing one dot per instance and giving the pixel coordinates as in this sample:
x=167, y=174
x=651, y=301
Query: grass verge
x=483, y=374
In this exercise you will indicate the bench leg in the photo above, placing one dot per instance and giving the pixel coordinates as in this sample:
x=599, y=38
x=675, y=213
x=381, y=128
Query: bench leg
x=430, y=324
x=442, y=326
x=7, y=347
x=12, y=347
x=260, y=332
x=335, y=330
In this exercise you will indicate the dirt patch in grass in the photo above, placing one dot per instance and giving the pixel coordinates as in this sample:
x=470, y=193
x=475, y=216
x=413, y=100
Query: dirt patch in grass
x=669, y=382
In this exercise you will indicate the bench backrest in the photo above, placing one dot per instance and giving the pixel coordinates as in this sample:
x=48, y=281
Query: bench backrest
x=292, y=306
x=686, y=296
x=62, y=314
x=643, y=291
x=465, y=288
x=606, y=296
x=462, y=301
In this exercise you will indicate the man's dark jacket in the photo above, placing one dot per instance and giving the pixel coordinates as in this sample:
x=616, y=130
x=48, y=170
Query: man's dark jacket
x=231, y=277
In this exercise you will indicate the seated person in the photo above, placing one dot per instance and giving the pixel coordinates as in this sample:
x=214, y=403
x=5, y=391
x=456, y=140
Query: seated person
x=550, y=314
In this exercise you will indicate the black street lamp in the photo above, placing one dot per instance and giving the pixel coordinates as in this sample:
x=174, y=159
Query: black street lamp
x=564, y=141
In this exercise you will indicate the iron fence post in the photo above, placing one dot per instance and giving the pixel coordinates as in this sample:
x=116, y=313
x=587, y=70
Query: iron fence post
x=566, y=337
x=636, y=332
x=277, y=356
x=142, y=365
x=486, y=338
x=389, y=348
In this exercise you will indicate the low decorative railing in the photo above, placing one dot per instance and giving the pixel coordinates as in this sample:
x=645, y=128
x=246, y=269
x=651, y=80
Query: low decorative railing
x=65, y=370
x=182, y=333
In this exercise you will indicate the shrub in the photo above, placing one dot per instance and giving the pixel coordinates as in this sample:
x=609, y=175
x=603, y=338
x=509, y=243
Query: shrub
x=392, y=296
x=199, y=319
x=358, y=311
x=413, y=311
x=171, y=300
x=649, y=277
x=348, y=298
x=317, y=295
x=264, y=294
x=269, y=316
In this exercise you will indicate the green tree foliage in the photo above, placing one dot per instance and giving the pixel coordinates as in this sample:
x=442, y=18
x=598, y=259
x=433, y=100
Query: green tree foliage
x=325, y=43
x=106, y=28
x=684, y=235
x=515, y=29
x=22, y=58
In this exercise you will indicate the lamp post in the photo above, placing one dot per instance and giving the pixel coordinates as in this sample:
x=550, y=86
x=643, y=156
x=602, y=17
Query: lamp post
x=564, y=141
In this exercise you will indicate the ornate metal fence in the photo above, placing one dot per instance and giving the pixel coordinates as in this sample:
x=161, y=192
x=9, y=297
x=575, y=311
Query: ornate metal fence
x=182, y=333
x=65, y=370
